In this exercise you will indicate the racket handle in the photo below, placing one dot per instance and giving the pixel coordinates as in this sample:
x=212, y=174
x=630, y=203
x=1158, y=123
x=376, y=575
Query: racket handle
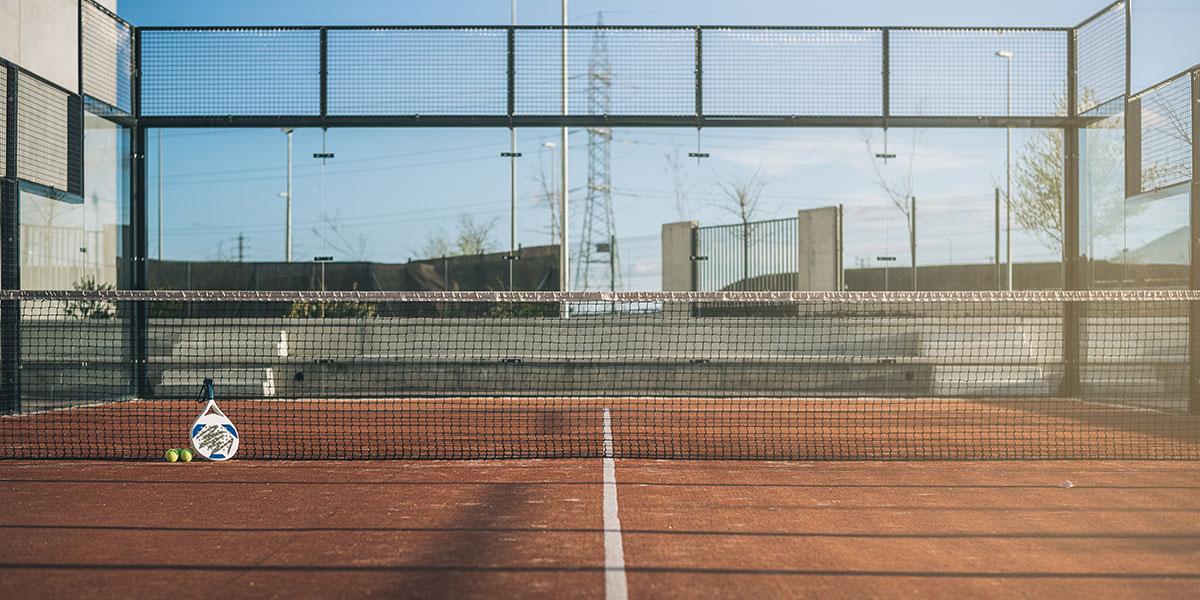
x=207, y=394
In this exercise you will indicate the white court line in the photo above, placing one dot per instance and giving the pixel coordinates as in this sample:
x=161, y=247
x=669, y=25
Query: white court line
x=615, y=587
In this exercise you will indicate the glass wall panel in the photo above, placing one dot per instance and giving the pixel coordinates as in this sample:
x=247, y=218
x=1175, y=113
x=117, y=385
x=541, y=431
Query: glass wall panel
x=68, y=242
x=1139, y=242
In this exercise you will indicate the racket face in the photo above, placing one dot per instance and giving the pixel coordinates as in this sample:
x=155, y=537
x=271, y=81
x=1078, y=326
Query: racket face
x=214, y=437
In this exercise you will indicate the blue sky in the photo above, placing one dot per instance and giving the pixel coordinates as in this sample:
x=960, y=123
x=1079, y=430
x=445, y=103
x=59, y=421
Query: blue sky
x=390, y=190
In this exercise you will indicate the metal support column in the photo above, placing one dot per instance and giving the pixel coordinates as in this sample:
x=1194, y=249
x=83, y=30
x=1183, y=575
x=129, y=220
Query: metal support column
x=10, y=266
x=1194, y=308
x=1073, y=313
x=139, y=276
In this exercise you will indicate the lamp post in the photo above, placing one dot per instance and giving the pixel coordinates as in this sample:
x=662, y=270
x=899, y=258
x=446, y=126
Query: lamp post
x=1007, y=56
x=554, y=191
x=564, y=254
x=160, y=149
x=287, y=231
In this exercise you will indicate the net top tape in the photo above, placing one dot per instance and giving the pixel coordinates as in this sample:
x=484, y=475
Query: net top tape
x=600, y=296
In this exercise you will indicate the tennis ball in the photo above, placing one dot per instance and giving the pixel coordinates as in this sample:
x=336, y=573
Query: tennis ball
x=172, y=455
x=185, y=455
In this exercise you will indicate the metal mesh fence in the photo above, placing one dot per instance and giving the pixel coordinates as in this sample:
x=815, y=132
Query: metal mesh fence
x=1101, y=58
x=42, y=133
x=834, y=72
x=242, y=71
x=644, y=71
x=1167, y=133
x=958, y=72
x=647, y=71
x=417, y=71
x=107, y=58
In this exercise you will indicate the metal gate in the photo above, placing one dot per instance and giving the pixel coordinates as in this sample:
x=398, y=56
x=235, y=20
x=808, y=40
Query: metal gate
x=758, y=256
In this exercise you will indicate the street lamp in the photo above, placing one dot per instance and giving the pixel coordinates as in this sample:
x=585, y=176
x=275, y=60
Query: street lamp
x=554, y=183
x=1007, y=56
x=287, y=232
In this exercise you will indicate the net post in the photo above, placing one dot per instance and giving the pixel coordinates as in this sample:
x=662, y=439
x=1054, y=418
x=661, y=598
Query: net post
x=1194, y=306
x=1073, y=312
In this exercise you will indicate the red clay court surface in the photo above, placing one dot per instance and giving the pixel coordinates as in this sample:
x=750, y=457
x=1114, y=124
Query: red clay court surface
x=737, y=428
x=535, y=528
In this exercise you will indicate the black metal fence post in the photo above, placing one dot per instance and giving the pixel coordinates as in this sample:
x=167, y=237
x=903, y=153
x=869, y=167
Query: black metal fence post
x=1194, y=309
x=1072, y=312
x=10, y=267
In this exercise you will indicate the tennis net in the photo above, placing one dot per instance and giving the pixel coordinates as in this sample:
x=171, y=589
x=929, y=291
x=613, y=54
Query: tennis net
x=770, y=375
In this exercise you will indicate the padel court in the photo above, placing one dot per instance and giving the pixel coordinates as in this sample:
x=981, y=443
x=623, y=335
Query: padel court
x=807, y=441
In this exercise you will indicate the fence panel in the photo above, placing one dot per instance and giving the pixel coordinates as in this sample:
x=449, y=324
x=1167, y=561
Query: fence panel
x=1102, y=60
x=959, y=72
x=1167, y=134
x=107, y=58
x=236, y=71
x=757, y=256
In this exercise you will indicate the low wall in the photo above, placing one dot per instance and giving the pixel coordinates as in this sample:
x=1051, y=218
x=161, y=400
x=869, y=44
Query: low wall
x=71, y=362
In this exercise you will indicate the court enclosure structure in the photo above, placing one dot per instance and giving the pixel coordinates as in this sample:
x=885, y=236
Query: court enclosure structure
x=136, y=79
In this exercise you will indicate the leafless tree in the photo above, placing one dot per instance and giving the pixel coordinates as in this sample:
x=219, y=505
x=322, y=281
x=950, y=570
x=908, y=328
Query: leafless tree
x=351, y=245
x=548, y=197
x=472, y=238
x=675, y=167
x=899, y=189
x=741, y=194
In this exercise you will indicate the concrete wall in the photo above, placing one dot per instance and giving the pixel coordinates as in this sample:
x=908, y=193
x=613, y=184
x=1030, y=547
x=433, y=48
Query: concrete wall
x=1135, y=359
x=43, y=37
x=820, y=264
x=536, y=270
x=677, y=271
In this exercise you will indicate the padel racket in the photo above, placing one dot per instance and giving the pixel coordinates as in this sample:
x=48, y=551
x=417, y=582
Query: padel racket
x=213, y=435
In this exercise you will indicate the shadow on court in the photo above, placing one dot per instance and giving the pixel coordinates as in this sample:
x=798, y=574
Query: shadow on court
x=534, y=528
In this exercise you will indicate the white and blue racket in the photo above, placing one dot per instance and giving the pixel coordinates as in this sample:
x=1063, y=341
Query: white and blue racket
x=213, y=435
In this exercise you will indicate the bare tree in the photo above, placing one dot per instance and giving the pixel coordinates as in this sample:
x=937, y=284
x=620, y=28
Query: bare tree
x=353, y=246
x=472, y=238
x=436, y=245
x=676, y=168
x=742, y=193
x=899, y=189
x=1178, y=128
x=548, y=197
x=475, y=237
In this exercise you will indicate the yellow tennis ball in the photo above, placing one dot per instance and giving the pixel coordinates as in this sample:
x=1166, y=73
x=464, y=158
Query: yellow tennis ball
x=185, y=455
x=172, y=455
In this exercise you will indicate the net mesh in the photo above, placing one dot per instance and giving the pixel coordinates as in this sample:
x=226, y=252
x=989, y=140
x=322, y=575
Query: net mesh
x=3, y=119
x=789, y=375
